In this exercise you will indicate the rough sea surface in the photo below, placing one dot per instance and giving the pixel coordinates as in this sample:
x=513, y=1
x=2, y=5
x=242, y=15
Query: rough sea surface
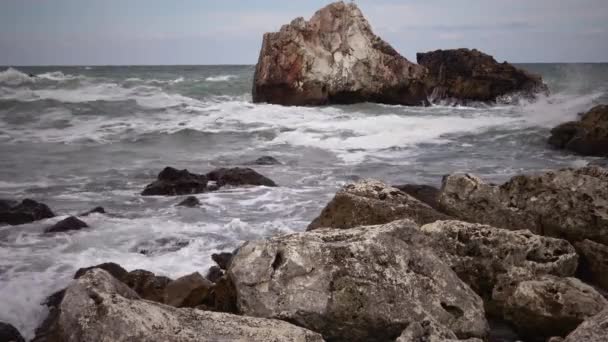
x=79, y=137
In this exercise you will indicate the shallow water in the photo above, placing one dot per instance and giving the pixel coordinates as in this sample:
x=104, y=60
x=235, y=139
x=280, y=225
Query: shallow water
x=80, y=137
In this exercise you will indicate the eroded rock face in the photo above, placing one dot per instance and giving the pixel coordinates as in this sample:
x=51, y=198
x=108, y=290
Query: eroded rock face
x=594, y=329
x=97, y=307
x=334, y=58
x=14, y=213
x=173, y=182
x=359, y=284
x=594, y=262
x=550, y=306
x=370, y=202
x=480, y=254
x=471, y=75
x=571, y=203
x=588, y=136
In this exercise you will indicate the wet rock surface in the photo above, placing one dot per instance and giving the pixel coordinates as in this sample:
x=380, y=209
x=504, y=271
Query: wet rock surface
x=173, y=182
x=265, y=160
x=366, y=283
x=370, y=202
x=15, y=213
x=594, y=329
x=593, y=266
x=588, y=136
x=239, y=176
x=9, y=333
x=69, y=224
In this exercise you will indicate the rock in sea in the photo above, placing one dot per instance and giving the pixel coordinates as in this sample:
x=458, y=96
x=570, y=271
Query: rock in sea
x=14, y=213
x=66, y=225
x=588, y=136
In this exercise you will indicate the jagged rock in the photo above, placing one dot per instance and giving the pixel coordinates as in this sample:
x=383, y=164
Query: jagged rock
x=187, y=291
x=114, y=269
x=27, y=211
x=97, y=307
x=551, y=306
x=594, y=262
x=359, y=284
x=190, y=202
x=96, y=210
x=424, y=193
x=464, y=74
x=223, y=259
x=9, y=333
x=570, y=203
x=265, y=160
x=214, y=274
x=480, y=254
x=223, y=296
x=173, y=182
x=161, y=246
x=430, y=331
x=66, y=225
x=238, y=176
x=588, y=136
x=334, y=58
x=594, y=329
x=369, y=202
x=148, y=285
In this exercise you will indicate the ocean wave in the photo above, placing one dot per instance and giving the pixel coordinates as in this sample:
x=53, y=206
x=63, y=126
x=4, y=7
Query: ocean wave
x=59, y=76
x=220, y=78
x=14, y=77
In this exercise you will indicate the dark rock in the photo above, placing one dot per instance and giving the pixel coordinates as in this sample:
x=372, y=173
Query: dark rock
x=588, y=136
x=114, y=269
x=594, y=329
x=238, y=177
x=190, y=202
x=25, y=212
x=424, y=193
x=148, y=285
x=593, y=266
x=334, y=58
x=9, y=333
x=161, y=246
x=223, y=259
x=370, y=202
x=223, y=296
x=471, y=75
x=69, y=224
x=96, y=210
x=187, y=291
x=214, y=274
x=173, y=182
x=265, y=160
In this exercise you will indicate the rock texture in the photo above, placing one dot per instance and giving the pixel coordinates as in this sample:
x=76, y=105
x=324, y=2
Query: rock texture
x=14, y=213
x=370, y=202
x=430, y=331
x=464, y=74
x=238, y=176
x=481, y=254
x=8, y=333
x=66, y=225
x=594, y=329
x=173, y=182
x=594, y=262
x=265, y=160
x=147, y=285
x=97, y=307
x=588, y=136
x=424, y=193
x=551, y=306
x=359, y=284
x=334, y=58
x=185, y=291
x=569, y=203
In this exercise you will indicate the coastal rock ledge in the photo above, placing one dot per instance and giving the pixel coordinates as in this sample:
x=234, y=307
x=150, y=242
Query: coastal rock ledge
x=334, y=58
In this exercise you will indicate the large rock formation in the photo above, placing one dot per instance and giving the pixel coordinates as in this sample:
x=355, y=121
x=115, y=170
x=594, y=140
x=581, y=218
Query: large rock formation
x=370, y=202
x=569, y=203
x=589, y=136
x=97, y=307
x=15, y=213
x=358, y=284
x=464, y=74
x=334, y=58
x=594, y=329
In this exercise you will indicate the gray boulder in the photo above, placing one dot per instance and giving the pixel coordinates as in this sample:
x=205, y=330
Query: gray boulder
x=594, y=329
x=97, y=307
x=359, y=284
x=371, y=202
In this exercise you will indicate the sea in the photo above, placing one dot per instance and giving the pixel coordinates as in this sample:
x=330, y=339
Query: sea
x=86, y=136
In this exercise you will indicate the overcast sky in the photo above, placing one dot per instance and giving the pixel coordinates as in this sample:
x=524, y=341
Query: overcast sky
x=93, y=32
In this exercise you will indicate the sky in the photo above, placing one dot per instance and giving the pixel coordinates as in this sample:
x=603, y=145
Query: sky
x=167, y=32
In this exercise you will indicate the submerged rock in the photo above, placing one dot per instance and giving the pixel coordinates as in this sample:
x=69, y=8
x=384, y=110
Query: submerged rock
x=594, y=329
x=369, y=202
x=97, y=307
x=66, y=225
x=161, y=246
x=190, y=202
x=571, y=203
x=239, y=176
x=14, y=213
x=334, y=58
x=359, y=284
x=588, y=136
x=471, y=75
x=173, y=182
x=594, y=262
x=96, y=210
x=265, y=160
x=9, y=333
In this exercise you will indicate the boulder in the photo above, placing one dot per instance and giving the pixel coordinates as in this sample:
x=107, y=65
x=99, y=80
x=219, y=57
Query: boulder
x=588, y=136
x=14, y=213
x=594, y=329
x=114, y=269
x=97, y=307
x=190, y=202
x=370, y=202
x=430, y=331
x=265, y=160
x=187, y=291
x=594, y=262
x=551, y=306
x=238, y=176
x=96, y=210
x=424, y=193
x=66, y=225
x=214, y=274
x=570, y=203
x=360, y=284
x=9, y=333
x=223, y=259
x=173, y=182
x=334, y=58
x=471, y=75
x=147, y=285
x=480, y=254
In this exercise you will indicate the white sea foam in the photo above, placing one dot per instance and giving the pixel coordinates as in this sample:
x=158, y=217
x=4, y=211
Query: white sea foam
x=14, y=77
x=220, y=78
x=59, y=76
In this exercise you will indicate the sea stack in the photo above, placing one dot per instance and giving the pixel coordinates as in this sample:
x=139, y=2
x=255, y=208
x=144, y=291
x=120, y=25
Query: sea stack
x=334, y=58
